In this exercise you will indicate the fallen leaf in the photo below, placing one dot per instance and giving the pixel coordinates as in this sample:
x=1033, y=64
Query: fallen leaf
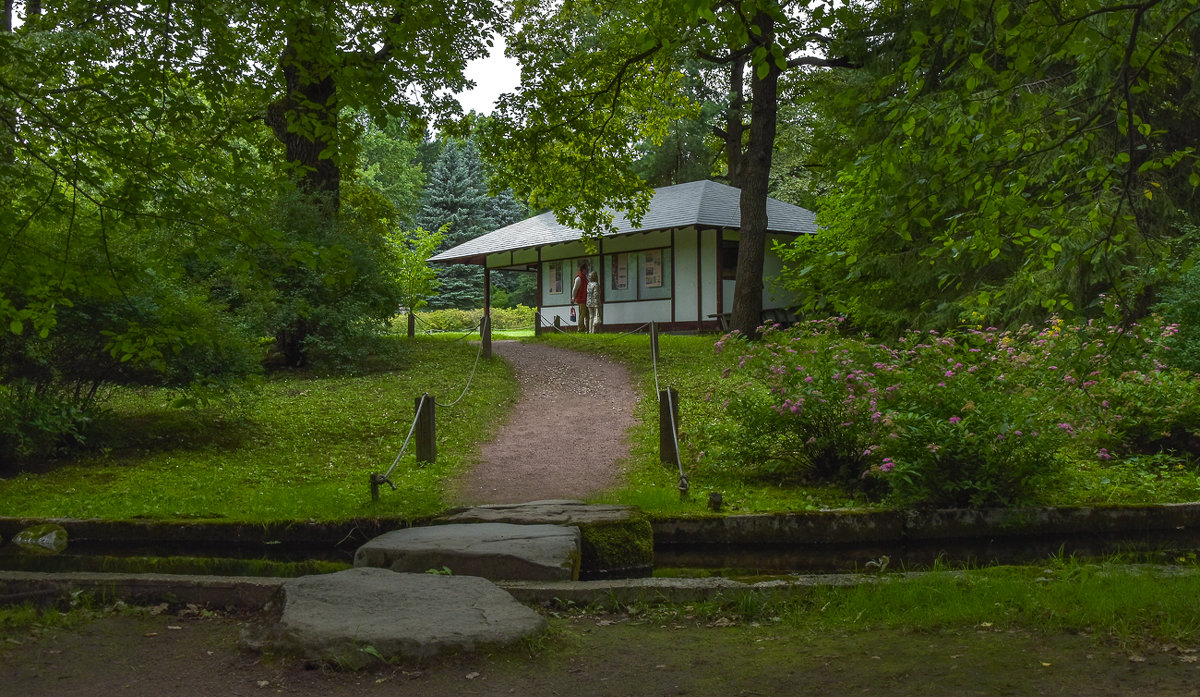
x=264, y=683
x=1136, y=658
x=151, y=634
x=985, y=625
x=173, y=626
x=472, y=675
x=1045, y=665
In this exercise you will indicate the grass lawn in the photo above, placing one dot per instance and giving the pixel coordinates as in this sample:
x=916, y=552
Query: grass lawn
x=302, y=447
x=689, y=364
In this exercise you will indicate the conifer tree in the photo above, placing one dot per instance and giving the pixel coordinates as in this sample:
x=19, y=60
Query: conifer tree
x=456, y=195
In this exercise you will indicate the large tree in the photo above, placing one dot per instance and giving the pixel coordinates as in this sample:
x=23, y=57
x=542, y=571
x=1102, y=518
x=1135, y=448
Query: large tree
x=159, y=161
x=170, y=114
x=999, y=161
x=601, y=76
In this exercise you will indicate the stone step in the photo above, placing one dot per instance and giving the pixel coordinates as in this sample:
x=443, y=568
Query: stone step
x=496, y=551
x=354, y=617
x=618, y=541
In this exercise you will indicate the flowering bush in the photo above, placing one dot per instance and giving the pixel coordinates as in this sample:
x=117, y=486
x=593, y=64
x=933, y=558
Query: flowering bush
x=982, y=417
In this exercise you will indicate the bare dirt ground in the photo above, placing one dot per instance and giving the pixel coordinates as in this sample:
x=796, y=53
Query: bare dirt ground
x=596, y=655
x=565, y=437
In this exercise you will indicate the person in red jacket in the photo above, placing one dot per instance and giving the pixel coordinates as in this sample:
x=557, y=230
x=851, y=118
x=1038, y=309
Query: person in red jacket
x=579, y=295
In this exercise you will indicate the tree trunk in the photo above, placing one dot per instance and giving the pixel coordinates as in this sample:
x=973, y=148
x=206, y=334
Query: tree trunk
x=309, y=98
x=733, y=121
x=755, y=170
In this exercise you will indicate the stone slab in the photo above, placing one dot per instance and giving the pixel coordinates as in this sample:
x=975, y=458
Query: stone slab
x=497, y=551
x=555, y=511
x=348, y=617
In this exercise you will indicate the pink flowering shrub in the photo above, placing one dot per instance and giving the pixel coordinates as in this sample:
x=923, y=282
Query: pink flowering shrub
x=979, y=418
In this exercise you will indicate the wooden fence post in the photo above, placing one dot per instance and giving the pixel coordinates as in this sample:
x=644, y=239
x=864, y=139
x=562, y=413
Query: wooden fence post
x=668, y=412
x=485, y=335
x=426, y=429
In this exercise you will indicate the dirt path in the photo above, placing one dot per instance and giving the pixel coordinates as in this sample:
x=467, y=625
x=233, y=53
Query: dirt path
x=566, y=435
x=599, y=656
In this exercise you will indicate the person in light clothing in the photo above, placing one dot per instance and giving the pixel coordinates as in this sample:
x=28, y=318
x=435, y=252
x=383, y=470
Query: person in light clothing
x=593, y=302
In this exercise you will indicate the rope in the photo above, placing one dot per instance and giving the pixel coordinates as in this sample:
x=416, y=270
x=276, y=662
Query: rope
x=432, y=331
x=411, y=430
x=586, y=337
x=472, y=377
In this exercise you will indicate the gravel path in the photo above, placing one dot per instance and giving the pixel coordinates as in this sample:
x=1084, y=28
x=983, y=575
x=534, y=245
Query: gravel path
x=566, y=435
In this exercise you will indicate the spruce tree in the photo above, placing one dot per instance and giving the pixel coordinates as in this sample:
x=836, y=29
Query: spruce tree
x=456, y=194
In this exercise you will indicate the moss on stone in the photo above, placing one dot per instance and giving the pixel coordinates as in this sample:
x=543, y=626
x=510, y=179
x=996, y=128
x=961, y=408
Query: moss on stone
x=624, y=547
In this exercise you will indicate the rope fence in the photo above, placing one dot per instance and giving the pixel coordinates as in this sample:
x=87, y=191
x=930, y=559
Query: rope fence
x=424, y=423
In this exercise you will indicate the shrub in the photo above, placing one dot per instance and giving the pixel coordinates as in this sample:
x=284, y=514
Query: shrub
x=979, y=418
x=452, y=320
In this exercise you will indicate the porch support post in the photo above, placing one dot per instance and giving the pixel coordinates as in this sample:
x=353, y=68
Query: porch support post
x=485, y=331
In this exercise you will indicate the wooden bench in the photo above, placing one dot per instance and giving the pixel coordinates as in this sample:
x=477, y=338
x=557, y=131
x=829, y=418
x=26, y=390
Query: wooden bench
x=774, y=315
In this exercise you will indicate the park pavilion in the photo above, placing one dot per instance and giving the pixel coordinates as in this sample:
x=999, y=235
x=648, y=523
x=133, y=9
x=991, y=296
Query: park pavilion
x=676, y=268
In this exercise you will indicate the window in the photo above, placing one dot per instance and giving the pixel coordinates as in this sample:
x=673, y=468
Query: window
x=637, y=275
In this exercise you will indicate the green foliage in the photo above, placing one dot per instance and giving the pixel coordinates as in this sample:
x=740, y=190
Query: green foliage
x=148, y=154
x=519, y=317
x=335, y=282
x=978, y=418
x=1180, y=306
x=456, y=201
x=387, y=164
x=412, y=249
x=1011, y=159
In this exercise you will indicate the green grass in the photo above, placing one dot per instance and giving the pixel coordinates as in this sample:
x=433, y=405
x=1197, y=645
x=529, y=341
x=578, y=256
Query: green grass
x=689, y=364
x=1130, y=603
x=301, y=448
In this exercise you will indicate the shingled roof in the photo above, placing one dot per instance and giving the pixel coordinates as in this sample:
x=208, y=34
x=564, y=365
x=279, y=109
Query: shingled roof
x=702, y=204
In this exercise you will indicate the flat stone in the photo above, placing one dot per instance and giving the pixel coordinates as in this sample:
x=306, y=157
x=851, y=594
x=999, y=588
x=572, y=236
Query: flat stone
x=353, y=617
x=556, y=511
x=497, y=551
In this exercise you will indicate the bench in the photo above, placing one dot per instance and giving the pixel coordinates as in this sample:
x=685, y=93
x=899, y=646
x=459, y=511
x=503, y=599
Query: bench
x=775, y=315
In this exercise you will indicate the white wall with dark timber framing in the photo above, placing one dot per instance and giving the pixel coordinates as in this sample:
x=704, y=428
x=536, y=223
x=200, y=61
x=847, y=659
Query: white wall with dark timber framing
x=688, y=276
x=681, y=288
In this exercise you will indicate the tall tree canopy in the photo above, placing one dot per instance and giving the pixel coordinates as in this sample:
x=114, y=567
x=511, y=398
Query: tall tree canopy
x=173, y=178
x=996, y=161
x=601, y=76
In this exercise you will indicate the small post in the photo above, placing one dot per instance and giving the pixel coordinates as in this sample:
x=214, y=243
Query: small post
x=485, y=335
x=426, y=430
x=412, y=324
x=654, y=341
x=537, y=322
x=668, y=410
x=558, y=322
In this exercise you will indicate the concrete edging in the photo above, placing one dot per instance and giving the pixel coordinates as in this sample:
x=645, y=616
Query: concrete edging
x=859, y=527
